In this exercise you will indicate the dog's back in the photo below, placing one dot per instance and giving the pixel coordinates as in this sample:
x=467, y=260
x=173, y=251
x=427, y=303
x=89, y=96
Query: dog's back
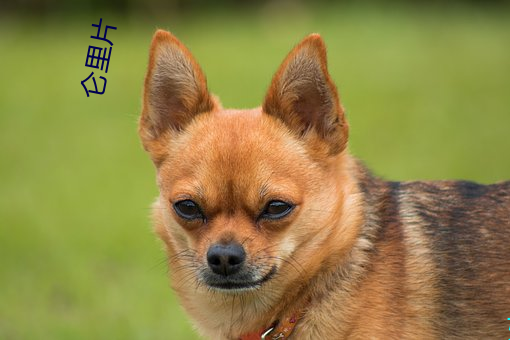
x=447, y=244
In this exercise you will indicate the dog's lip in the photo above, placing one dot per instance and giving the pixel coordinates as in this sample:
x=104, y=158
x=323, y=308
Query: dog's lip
x=244, y=285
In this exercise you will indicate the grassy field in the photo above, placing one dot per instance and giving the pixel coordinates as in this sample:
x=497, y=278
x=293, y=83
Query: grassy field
x=427, y=96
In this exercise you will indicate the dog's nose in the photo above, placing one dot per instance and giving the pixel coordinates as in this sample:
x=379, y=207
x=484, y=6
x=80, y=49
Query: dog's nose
x=226, y=259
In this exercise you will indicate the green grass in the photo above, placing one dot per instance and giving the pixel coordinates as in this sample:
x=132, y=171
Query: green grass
x=427, y=96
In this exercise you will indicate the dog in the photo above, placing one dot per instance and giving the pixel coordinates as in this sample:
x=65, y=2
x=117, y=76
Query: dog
x=273, y=230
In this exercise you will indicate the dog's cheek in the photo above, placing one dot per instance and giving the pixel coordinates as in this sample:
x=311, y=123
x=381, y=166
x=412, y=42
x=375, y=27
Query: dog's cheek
x=168, y=229
x=315, y=222
x=287, y=245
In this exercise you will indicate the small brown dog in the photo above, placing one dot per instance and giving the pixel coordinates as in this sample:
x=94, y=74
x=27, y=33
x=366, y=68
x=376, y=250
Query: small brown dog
x=273, y=229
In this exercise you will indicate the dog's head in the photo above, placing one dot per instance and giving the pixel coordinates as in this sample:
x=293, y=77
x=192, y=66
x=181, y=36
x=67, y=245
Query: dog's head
x=246, y=196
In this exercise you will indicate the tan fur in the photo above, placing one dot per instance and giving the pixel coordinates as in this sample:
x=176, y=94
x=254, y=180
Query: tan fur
x=355, y=255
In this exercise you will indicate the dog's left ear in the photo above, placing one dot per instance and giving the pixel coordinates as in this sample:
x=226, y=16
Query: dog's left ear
x=175, y=90
x=305, y=98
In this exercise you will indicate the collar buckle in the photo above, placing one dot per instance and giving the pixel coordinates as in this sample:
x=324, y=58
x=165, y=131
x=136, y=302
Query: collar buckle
x=266, y=333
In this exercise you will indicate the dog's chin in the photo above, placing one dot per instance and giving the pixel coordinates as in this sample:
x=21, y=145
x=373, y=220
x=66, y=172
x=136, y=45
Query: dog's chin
x=243, y=283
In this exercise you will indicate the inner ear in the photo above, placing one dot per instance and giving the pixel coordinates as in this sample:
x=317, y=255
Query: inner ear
x=175, y=88
x=310, y=99
x=305, y=98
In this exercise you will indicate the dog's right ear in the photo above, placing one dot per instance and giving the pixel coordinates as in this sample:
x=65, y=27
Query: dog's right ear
x=175, y=89
x=304, y=97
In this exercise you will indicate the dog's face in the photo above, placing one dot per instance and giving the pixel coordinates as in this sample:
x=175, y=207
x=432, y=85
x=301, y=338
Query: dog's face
x=246, y=196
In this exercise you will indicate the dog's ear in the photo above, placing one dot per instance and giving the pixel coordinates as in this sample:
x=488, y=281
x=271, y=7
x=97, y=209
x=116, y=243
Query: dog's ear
x=305, y=98
x=175, y=89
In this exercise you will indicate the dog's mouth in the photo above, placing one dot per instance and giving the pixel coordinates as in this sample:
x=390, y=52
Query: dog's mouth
x=236, y=284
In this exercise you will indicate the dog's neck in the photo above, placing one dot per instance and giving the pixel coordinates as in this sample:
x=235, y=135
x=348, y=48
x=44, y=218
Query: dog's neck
x=280, y=329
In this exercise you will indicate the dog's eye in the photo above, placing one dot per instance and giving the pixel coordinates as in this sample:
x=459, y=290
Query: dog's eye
x=276, y=209
x=188, y=210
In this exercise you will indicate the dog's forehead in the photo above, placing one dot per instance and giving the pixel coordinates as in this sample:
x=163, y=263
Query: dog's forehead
x=243, y=151
x=237, y=138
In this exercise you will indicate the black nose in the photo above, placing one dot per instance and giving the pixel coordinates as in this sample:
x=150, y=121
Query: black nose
x=226, y=259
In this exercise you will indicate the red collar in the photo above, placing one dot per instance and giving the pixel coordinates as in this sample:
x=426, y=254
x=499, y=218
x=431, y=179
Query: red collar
x=279, y=330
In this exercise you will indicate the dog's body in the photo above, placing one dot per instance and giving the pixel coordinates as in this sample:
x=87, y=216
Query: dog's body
x=267, y=219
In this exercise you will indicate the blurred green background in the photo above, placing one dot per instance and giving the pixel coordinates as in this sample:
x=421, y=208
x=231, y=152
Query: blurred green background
x=426, y=88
